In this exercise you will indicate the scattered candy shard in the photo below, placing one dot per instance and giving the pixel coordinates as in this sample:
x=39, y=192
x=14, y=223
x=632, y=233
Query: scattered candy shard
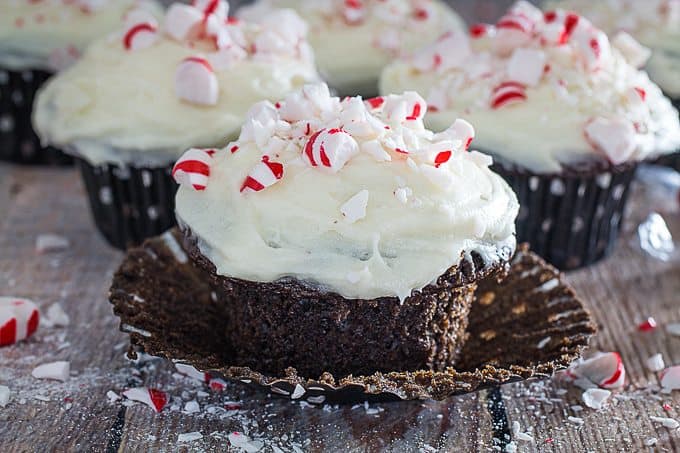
x=19, y=319
x=46, y=243
x=56, y=316
x=614, y=137
x=153, y=398
x=189, y=437
x=655, y=363
x=298, y=392
x=193, y=168
x=673, y=329
x=192, y=372
x=354, y=209
x=666, y=422
x=4, y=395
x=595, y=398
x=604, y=369
x=196, y=82
x=240, y=440
x=647, y=325
x=670, y=378
x=58, y=371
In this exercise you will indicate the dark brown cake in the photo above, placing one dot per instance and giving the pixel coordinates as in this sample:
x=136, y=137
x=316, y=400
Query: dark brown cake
x=286, y=323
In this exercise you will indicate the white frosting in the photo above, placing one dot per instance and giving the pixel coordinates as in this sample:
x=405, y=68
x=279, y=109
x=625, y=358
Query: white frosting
x=655, y=23
x=353, y=45
x=48, y=34
x=552, y=127
x=120, y=106
x=374, y=223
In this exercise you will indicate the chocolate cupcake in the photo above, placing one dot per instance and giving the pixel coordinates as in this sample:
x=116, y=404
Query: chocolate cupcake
x=655, y=24
x=38, y=39
x=564, y=113
x=137, y=99
x=354, y=41
x=343, y=236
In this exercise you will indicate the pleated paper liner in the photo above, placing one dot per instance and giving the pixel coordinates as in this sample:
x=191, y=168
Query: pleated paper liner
x=573, y=219
x=529, y=326
x=18, y=142
x=670, y=160
x=129, y=204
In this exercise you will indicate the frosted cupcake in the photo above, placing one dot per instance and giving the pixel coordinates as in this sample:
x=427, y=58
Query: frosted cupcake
x=343, y=235
x=354, y=40
x=38, y=38
x=565, y=114
x=656, y=24
x=140, y=97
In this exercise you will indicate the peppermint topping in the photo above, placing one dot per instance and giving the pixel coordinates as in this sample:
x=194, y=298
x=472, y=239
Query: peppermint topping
x=314, y=129
x=19, y=319
x=223, y=42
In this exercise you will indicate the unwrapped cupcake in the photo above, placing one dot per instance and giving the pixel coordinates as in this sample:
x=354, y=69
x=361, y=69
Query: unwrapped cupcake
x=38, y=38
x=565, y=114
x=139, y=98
x=655, y=24
x=342, y=235
x=354, y=40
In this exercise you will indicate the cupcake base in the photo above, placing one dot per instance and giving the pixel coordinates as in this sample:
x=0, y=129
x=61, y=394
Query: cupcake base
x=273, y=325
x=516, y=331
x=18, y=142
x=129, y=204
x=572, y=219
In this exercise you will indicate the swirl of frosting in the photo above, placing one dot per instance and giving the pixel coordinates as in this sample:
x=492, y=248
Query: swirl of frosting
x=655, y=23
x=51, y=34
x=150, y=91
x=353, y=196
x=544, y=91
x=354, y=39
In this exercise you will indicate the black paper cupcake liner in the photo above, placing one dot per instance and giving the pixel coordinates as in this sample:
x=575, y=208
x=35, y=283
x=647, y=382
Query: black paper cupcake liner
x=129, y=204
x=18, y=141
x=572, y=219
x=529, y=325
x=670, y=160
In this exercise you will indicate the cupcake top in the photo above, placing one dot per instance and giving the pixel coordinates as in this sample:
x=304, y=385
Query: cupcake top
x=544, y=91
x=655, y=23
x=150, y=91
x=50, y=34
x=354, y=39
x=351, y=196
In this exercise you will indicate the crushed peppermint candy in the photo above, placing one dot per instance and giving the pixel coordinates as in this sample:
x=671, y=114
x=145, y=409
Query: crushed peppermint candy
x=673, y=329
x=4, y=395
x=655, y=363
x=55, y=316
x=606, y=370
x=596, y=398
x=155, y=399
x=666, y=422
x=670, y=378
x=19, y=319
x=354, y=209
x=189, y=437
x=48, y=242
x=58, y=371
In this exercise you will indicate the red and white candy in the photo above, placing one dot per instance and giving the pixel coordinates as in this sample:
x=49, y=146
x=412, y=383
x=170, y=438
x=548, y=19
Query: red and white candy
x=513, y=30
x=140, y=36
x=353, y=11
x=408, y=107
x=463, y=131
x=330, y=148
x=191, y=372
x=508, y=93
x=604, y=369
x=153, y=398
x=193, y=168
x=265, y=174
x=526, y=66
x=196, y=82
x=183, y=22
x=634, y=53
x=19, y=319
x=615, y=137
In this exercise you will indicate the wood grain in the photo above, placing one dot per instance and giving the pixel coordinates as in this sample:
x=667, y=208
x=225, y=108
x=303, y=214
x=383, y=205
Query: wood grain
x=621, y=292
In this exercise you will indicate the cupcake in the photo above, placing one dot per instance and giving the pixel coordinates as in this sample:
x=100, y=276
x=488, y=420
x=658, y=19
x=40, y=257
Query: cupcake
x=38, y=38
x=343, y=236
x=565, y=114
x=655, y=24
x=354, y=40
x=138, y=98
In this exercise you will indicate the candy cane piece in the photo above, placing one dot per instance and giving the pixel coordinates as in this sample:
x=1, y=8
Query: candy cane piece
x=196, y=82
x=526, y=66
x=140, y=36
x=670, y=378
x=408, y=107
x=153, y=398
x=614, y=137
x=635, y=53
x=354, y=209
x=57, y=371
x=182, y=21
x=604, y=369
x=330, y=148
x=508, y=93
x=265, y=174
x=193, y=168
x=19, y=319
x=191, y=372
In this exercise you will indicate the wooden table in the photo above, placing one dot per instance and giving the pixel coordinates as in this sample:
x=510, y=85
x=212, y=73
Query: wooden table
x=621, y=292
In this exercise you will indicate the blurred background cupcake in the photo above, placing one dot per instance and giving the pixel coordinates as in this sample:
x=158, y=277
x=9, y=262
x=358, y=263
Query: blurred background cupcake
x=140, y=97
x=655, y=24
x=330, y=225
x=566, y=115
x=38, y=38
x=354, y=40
